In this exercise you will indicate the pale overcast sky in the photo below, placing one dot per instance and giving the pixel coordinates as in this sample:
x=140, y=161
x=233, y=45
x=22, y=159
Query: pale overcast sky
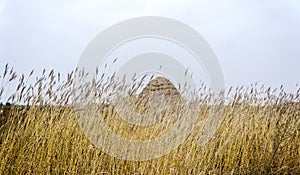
x=254, y=40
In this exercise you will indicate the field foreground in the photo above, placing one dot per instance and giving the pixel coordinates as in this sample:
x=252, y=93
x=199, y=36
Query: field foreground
x=253, y=138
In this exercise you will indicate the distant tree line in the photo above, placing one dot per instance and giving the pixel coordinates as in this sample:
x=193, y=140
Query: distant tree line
x=6, y=104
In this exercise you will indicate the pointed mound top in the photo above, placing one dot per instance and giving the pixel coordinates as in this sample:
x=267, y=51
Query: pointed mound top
x=160, y=85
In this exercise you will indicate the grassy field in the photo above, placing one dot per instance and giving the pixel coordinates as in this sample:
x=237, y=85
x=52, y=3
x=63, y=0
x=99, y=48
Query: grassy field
x=258, y=134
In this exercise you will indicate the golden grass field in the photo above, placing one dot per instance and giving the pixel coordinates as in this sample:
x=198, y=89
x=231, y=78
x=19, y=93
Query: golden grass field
x=37, y=137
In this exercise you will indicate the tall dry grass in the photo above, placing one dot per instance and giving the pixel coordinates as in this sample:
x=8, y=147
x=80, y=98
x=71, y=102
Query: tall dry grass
x=39, y=133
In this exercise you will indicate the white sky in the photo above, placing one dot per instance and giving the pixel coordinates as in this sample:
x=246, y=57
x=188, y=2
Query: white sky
x=254, y=40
